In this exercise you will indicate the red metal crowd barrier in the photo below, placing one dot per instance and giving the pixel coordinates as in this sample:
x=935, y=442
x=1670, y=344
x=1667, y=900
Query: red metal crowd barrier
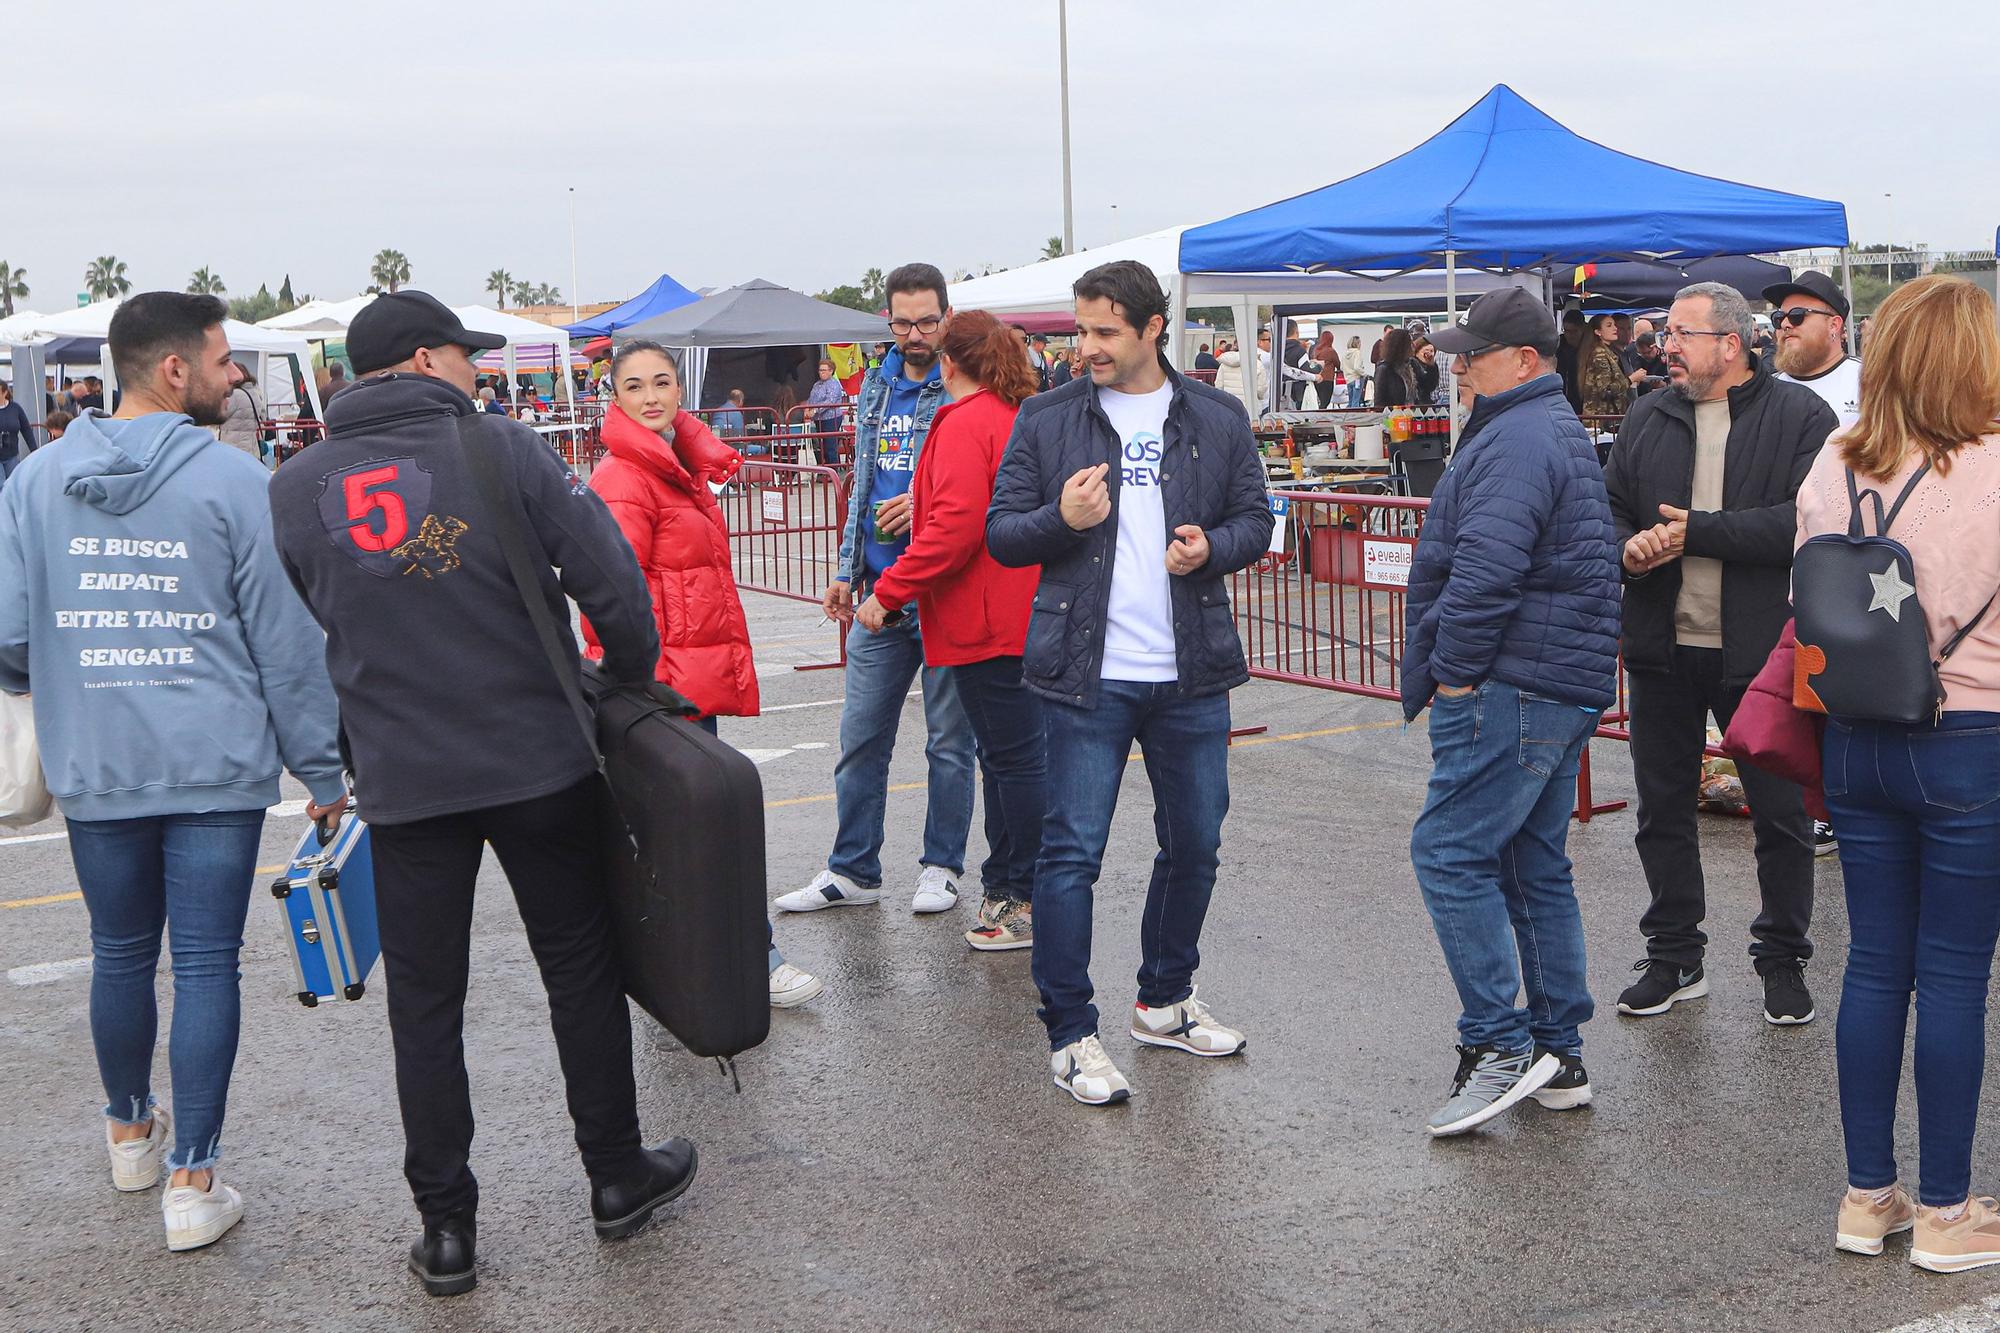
x=784, y=523
x=757, y=421
x=288, y=437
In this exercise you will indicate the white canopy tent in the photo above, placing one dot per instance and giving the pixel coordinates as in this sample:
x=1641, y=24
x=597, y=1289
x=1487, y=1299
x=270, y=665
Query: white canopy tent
x=322, y=320
x=520, y=333
x=1045, y=286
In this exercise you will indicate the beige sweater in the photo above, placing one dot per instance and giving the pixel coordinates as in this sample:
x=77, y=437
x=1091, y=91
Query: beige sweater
x=1951, y=527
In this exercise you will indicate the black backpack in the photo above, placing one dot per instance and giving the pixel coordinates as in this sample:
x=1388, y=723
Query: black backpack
x=1864, y=644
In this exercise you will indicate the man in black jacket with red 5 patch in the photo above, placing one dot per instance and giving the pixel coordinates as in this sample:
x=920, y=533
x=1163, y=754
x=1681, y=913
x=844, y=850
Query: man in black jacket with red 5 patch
x=460, y=734
x=1702, y=483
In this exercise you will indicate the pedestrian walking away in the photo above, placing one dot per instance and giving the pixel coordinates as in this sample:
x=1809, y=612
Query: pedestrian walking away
x=143, y=604
x=658, y=483
x=1918, y=804
x=460, y=736
x=976, y=611
x=1138, y=492
x=1513, y=645
x=1703, y=480
x=898, y=401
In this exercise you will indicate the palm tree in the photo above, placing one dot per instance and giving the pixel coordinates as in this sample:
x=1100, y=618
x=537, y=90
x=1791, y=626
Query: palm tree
x=390, y=270
x=204, y=283
x=1052, y=248
x=105, y=278
x=524, y=293
x=500, y=282
x=13, y=283
x=871, y=288
x=547, y=295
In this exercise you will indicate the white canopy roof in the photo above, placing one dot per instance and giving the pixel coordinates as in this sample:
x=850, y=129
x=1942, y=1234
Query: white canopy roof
x=517, y=331
x=19, y=325
x=1046, y=285
x=321, y=319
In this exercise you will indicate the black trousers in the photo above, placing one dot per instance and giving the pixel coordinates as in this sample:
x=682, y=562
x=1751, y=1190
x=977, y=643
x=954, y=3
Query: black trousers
x=1670, y=712
x=424, y=875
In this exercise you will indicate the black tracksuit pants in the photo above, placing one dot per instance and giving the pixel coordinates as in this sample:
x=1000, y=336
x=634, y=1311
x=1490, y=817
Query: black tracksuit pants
x=1669, y=721
x=424, y=873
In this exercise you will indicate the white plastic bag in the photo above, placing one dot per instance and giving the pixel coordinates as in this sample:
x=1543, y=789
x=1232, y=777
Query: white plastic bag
x=24, y=792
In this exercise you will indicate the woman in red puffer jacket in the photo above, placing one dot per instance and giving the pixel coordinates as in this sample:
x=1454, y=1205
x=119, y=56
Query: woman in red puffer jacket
x=656, y=482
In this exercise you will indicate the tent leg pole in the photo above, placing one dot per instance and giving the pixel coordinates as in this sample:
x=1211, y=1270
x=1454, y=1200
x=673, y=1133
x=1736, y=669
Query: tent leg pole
x=1246, y=353
x=1451, y=314
x=1847, y=286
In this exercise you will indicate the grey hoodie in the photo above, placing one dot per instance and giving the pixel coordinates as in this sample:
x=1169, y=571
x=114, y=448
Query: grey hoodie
x=173, y=666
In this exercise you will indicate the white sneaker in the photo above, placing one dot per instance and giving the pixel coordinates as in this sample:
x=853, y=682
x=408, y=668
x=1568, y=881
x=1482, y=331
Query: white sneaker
x=937, y=891
x=195, y=1218
x=1085, y=1072
x=135, y=1163
x=828, y=890
x=790, y=986
x=1187, y=1026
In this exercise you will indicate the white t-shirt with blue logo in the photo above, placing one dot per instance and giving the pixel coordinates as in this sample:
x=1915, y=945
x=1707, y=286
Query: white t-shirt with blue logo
x=1139, y=633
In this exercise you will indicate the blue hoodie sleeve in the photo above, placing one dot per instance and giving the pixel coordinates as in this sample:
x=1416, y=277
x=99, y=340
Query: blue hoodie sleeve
x=289, y=653
x=13, y=604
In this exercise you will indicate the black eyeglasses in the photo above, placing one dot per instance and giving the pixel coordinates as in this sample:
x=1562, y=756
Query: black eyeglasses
x=927, y=325
x=1796, y=316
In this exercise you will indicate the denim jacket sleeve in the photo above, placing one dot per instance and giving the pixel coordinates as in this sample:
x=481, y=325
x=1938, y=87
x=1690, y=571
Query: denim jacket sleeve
x=867, y=433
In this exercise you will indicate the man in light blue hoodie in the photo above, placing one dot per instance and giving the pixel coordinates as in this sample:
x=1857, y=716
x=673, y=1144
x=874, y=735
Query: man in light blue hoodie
x=174, y=673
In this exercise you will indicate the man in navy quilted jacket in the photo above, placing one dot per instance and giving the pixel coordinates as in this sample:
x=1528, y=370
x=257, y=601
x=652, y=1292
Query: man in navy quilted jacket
x=1513, y=642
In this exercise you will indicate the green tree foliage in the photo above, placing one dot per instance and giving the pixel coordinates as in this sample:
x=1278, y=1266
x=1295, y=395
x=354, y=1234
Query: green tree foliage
x=205, y=283
x=105, y=278
x=390, y=270
x=13, y=285
x=500, y=282
x=251, y=309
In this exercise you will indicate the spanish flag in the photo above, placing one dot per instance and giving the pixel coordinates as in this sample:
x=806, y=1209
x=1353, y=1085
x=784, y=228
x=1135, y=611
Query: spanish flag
x=849, y=366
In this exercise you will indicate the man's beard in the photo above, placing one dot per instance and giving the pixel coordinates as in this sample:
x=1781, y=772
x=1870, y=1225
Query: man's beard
x=204, y=409
x=919, y=357
x=1693, y=388
x=1798, y=357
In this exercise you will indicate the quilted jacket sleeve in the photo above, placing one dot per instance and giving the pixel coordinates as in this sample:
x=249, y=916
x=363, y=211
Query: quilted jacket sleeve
x=1503, y=508
x=1244, y=534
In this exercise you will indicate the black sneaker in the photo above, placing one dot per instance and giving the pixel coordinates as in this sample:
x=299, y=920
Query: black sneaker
x=1787, y=1002
x=1569, y=1089
x=1824, y=843
x=1664, y=986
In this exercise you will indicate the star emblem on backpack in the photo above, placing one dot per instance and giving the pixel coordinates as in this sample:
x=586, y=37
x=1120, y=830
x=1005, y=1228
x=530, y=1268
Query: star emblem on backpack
x=1890, y=592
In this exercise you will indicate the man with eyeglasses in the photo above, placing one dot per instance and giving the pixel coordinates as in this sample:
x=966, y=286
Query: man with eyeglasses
x=897, y=402
x=1702, y=482
x=1809, y=315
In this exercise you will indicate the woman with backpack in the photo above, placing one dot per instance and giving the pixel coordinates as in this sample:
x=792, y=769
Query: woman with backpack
x=1917, y=804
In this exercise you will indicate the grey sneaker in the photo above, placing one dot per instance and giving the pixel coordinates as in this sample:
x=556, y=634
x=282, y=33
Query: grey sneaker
x=1490, y=1080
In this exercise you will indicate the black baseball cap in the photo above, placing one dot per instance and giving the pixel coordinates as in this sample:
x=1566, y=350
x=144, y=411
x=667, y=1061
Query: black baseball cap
x=1813, y=283
x=394, y=325
x=1506, y=317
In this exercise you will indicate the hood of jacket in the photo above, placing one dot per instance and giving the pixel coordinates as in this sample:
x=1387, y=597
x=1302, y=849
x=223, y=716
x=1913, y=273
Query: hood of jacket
x=117, y=465
x=696, y=454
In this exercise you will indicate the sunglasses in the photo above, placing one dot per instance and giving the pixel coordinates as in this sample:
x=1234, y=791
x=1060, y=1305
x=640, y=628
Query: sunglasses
x=1796, y=316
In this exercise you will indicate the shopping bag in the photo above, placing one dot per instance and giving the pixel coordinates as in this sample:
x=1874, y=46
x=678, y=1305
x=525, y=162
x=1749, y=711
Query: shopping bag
x=24, y=792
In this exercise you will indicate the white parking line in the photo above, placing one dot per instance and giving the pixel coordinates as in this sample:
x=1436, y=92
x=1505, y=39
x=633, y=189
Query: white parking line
x=282, y=810
x=1978, y=1317
x=828, y=703
x=34, y=974
x=32, y=837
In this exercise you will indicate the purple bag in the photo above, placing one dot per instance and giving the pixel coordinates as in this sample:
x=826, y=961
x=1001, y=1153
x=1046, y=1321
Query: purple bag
x=1771, y=732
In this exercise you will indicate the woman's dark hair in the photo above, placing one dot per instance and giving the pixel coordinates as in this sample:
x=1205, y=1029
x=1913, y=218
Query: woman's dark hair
x=1597, y=321
x=987, y=352
x=152, y=326
x=916, y=278
x=1396, y=347
x=1132, y=290
x=628, y=350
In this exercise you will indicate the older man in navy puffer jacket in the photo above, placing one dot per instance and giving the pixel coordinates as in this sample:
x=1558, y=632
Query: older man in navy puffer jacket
x=1513, y=641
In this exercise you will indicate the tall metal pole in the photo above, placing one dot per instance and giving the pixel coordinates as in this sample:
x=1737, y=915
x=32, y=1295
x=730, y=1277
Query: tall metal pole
x=1062, y=40
x=574, y=317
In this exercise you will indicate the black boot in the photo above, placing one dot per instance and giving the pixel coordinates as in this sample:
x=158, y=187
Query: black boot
x=443, y=1257
x=619, y=1210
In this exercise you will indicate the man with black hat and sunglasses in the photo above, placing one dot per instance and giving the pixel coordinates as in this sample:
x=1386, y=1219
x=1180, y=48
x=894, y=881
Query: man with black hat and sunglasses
x=1809, y=315
x=1513, y=643
x=459, y=734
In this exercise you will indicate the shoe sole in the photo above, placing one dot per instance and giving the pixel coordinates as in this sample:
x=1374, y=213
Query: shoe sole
x=918, y=909
x=1867, y=1245
x=1953, y=1263
x=199, y=1237
x=1122, y=1095
x=1547, y=1068
x=987, y=946
x=1790, y=1022
x=1563, y=1099
x=634, y=1221
x=450, y=1284
x=1149, y=1039
x=792, y=999
x=1697, y=991
x=860, y=898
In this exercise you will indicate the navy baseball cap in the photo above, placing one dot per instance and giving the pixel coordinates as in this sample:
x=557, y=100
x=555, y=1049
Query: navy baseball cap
x=391, y=328
x=1505, y=317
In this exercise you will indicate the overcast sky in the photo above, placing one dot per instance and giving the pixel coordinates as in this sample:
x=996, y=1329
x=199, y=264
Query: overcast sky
x=721, y=140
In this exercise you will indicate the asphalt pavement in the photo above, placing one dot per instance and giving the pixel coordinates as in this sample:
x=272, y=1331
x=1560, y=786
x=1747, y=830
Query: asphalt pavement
x=898, y=1159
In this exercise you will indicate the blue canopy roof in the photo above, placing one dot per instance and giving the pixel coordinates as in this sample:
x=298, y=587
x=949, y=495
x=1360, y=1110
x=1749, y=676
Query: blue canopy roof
x=658, y=299
x=1506, y=186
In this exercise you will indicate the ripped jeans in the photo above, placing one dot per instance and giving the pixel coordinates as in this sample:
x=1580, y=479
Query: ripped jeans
x=188, y=875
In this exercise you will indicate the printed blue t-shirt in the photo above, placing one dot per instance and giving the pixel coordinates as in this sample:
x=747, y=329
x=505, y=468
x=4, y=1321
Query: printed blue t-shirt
x=895, y=457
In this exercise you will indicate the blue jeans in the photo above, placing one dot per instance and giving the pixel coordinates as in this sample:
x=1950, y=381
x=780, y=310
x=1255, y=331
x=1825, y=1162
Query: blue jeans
x=1186, y=745
x=776, y=960
x=188, y=874
x=1354, y=390
x=1490, y=852
x=1006, y=718
x=1918, y=809
x=880, y=668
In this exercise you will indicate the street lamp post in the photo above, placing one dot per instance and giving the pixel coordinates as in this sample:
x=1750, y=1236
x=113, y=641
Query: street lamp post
x=1062, y=41
x=1889, y=265
x=574, y=317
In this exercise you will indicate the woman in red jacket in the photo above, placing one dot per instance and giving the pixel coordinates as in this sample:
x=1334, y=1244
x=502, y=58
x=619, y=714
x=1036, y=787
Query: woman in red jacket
x=656, y=483
x=974, y=611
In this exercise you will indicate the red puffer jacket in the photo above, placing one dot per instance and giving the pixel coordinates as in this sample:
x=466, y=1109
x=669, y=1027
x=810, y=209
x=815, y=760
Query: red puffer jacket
x=660, y=497
x=970, y=607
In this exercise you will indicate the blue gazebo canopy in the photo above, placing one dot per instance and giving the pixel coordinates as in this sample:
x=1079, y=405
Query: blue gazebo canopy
x=658, y=299
x=1507, y=187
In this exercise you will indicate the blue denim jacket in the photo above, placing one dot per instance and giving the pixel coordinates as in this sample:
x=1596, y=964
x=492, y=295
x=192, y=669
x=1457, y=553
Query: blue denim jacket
x=867, y=439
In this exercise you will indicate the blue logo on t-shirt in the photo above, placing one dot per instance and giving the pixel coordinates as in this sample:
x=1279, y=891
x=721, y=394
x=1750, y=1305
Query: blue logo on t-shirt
x=1142, y=460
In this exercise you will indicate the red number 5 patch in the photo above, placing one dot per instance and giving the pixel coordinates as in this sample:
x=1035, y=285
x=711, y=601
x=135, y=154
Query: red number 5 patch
x=369, y=497
x=371, y=508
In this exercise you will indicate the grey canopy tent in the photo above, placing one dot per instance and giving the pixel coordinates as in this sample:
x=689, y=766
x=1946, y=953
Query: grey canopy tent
x=751, y=338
